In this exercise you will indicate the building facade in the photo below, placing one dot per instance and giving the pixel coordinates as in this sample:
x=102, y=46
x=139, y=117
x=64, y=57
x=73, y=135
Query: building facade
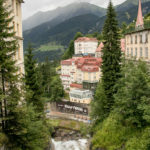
x=17, y=24
x=76, y=71
x=138, y=41
x=81, y=96
x=85, y=45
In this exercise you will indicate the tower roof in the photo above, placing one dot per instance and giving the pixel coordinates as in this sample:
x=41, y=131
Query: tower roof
x=139, y=22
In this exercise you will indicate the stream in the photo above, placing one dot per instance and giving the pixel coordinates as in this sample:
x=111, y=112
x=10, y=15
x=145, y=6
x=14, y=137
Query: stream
x=81, y=144
x=64, y=139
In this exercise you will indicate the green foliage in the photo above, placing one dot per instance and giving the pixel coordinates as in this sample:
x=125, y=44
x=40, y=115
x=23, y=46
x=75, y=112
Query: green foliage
x=32, y=80
x=127, y=127
x=140, y=142
x=111, y=134
x=57, y=90
x=132, y=98
x=111, y=56
x=98, y=105
x=70, y=51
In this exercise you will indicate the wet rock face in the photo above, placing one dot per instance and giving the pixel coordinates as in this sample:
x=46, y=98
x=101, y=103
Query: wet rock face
x=66, y=135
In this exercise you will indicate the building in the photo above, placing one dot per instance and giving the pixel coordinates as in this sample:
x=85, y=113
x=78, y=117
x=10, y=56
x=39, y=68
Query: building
x=81, y=96
x=138, y=41
x=99, y=53
x=85, y=45
x=17, y=23
x=81, y=72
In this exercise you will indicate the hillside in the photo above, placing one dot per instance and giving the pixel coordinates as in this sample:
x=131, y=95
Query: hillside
x=41, y=37
x=61, y=14
x=62, y=33
x=129, y=4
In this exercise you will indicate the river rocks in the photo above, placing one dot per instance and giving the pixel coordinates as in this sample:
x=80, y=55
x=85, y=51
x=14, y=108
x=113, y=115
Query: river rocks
x=66, y=135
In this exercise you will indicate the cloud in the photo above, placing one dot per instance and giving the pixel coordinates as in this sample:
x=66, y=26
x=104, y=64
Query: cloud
x=32, y=6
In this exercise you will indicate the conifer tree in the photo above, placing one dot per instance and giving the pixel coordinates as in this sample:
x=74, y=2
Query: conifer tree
x=32, y=81
x=11, y=113
x=70, y=51
x=111, y=56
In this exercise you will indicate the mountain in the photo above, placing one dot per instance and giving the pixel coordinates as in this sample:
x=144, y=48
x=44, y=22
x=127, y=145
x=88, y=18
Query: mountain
x=62, y=33
x=129, y=4
x=43, y=35
x=127, y=16
x=62, y=13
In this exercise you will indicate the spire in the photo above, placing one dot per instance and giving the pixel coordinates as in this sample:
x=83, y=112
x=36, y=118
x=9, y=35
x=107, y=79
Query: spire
x=139, y=22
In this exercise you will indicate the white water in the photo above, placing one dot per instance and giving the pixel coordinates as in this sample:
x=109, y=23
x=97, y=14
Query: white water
x=70, y=145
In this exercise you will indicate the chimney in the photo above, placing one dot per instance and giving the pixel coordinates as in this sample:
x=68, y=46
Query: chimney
x=139, y=22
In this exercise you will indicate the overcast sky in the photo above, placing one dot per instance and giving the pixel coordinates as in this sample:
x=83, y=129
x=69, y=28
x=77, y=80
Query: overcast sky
x=32, y=6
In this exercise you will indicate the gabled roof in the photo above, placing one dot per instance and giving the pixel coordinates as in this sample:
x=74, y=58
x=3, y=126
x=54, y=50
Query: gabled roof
x=75, y=85
x=100, y=47
x=86, y=39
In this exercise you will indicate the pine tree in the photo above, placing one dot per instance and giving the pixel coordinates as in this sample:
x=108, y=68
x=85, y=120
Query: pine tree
x=11, y=114
x=70, y=51
x=111, y=56
x=32, y=81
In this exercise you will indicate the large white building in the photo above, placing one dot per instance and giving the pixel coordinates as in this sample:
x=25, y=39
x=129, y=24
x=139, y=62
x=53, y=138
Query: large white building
x=138, y=40
x=17, y=23
x=85, y=45
x=77, y=71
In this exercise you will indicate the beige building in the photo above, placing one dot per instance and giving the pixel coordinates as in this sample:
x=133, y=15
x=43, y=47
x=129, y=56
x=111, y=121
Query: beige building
x=138, y=41
x=81, y=72
x=17, y=23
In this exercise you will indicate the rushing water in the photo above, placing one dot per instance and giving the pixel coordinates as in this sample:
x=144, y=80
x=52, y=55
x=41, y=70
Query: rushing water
x=70, y=145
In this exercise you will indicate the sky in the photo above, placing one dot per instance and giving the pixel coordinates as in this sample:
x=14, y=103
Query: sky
x=31, y=7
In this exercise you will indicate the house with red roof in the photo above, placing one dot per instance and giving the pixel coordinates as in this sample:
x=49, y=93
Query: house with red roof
x=81, y=72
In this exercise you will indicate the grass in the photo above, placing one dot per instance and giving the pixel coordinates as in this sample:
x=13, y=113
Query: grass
x=52, y=46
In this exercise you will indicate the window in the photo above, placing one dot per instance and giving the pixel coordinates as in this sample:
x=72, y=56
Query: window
x=141, y=52
x=136, y=39
x=17, y=9
x=14, y=26
x=18, y=29
x=13, y=5
x=131, y=52
x=131, y=40
x=127, y=51
x=146, y=37
x=146, y=52
x=140, y=38
x=135, y=52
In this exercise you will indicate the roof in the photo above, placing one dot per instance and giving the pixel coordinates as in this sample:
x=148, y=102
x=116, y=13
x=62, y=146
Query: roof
x=139, y=21
x=67, y=62
x=86, y=39
x=122, y=44
x=65, y=75
x=75, y=85
x=87, y=68
x=100, y=47
x=89, y=64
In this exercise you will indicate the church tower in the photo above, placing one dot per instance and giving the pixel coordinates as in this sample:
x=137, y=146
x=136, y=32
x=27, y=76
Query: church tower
x=139, y=22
